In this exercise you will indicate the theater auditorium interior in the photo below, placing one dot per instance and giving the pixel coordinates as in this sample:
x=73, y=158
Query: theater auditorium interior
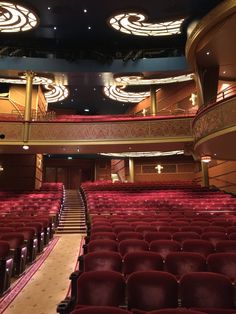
x=118, y=157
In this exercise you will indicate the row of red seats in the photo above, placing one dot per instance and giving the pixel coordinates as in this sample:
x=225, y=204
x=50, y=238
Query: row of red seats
x=152, y=290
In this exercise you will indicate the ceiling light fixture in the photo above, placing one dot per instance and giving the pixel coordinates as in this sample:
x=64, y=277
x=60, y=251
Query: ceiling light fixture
x=144, y=154
x=140, y=80
x=1, y=168
x=37, y=80
x=25, y=147
x=117, y=93
x=86, y=110
x=55, y=92
x=134, y=23
x=16, y=18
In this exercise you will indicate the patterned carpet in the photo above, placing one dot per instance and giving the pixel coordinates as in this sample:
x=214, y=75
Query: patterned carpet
x=50, y=284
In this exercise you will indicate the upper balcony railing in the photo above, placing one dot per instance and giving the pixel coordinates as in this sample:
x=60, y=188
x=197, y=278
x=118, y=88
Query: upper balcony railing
x=226, y=93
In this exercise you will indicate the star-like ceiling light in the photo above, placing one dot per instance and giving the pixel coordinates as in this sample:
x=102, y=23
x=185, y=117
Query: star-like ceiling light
x=144, y=154
x=138, y=80
x=56, y=92
x=117, y=93
x=135, y=23
x=16, y=18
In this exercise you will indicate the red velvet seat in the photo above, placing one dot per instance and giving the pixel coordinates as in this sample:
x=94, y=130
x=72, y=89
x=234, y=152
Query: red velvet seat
x=132, y=245
x=151, y=290
x=31, y=240
x=164, y=247
x=196, y=229
x=198, y=246
x=142, y=261
x=19, y=248
x=40, y=233
x=102, y=260
x=101, y=228
x=181, y=263
x=232, y=236
x=102, y=310
x=214, y=236
x=223, y=263
x=129, y=235
x=102, y=244
x=226, y=246
x=144, y=229
x=206, y=290
x=170, y=229
x=123, y=228
x=103, y=235
x=158, y=235
x=174, y=311
x=214, y=229
x=187, y=235
x=100, y=288
x=6, y=266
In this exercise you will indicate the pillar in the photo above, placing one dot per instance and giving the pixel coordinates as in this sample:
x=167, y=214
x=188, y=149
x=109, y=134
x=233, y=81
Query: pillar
x=205, y=174
x=153, y=100
x=28, y=103
x=131, y=169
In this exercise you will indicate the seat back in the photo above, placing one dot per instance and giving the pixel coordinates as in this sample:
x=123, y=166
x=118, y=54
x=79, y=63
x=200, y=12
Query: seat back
x=103, y=235
x=142, y=261
x=185, y=235
x=129, y=235
x=102, y=260
x=181, y=263
x=206, y=290
x=198, y=246
x=226, y=246
x=132, y=245
x=101, y=288
x=102, y=244
x=224, y=263
x=159, y=235
x=164, y=247
x=150, y=290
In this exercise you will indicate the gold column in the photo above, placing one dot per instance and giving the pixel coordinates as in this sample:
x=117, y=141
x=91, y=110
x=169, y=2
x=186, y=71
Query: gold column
x=131, y=169
x=28, y=103
x=205, y=174
x=153, y=100
x=95, y=170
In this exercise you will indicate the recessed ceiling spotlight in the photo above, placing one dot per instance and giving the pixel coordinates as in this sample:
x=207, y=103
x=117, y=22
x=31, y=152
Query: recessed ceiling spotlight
x=72, y=100
x=25, y=147
x=94, y=89
x=16, y=18
x=224, y=72
x=49, y=8
x=86, y=110
x=89, y=27
x=69, y=158
x=85, y=11
x=207, y=53
x=54, y=28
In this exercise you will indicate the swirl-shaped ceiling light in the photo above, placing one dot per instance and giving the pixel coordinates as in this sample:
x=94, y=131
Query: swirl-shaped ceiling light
x=55, y=92
x=144, y=154
x=117, y=93
x=37, y=80
x=134, y=23
x=138, y=80
x=16, y=18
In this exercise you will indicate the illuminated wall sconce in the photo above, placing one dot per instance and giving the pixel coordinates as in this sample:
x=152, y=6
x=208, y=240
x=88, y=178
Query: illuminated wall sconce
x=159, y=168
x=1, y=168
x=206, y=159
